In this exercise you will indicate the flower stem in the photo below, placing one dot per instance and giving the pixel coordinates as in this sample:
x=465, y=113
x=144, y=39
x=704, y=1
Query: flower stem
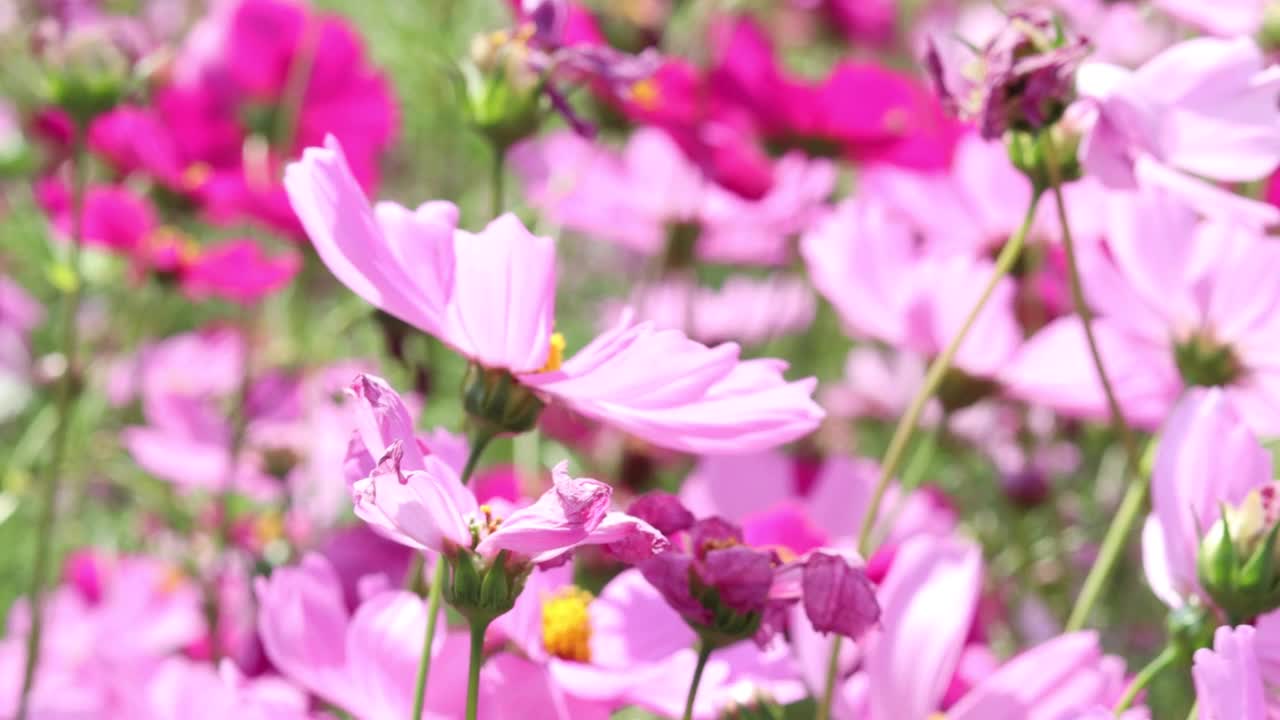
x=473, y=673
x=833, y=671
x=704, y=652
x=1136, y=495
x=1144, y=677
x=68, y=392
x=1195, y=711
x=498, y=179
x=907, y=425
x=479, y=441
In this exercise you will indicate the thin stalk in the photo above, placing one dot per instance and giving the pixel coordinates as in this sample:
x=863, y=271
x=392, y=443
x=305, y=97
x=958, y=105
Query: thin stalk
x=704, y=652
x=473, y=672
x=907, y=425
x=1082, y=306
x=1144, y=677
x=479, y=442
x=1135, y=498
x=1136, y=495
x=833, y=672
x=498, y=180
x=1195, y=711
x=68, y=393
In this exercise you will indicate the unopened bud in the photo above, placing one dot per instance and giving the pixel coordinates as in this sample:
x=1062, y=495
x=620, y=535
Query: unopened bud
x=1238, y=561
x=497, y=403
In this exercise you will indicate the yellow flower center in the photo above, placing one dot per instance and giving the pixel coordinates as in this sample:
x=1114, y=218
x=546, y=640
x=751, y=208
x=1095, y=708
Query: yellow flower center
x=566, y=625
x=268, y=527
x=938, y=716
x=196, y=175
x=555, y=354
x=645, y=93
x=171, y=580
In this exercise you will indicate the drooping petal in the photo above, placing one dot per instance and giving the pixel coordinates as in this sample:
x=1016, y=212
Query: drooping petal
x=837, y=596
x=562, y=518
x=426, y=509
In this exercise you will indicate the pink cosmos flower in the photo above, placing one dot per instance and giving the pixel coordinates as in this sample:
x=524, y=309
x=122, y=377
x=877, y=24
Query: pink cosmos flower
x=1203, y=108
x=638, y=198
x=764, y=492
x=491, y=297
x=103, y=634
x=886, y=288
x=1179, y=303
x=187, y=439
x=1207, y=457
x=180, y=689
x=1232, y=18
x=626, y=646
x=417, y=499
x=929, y=597
x=1235, y=680
x=743, y=309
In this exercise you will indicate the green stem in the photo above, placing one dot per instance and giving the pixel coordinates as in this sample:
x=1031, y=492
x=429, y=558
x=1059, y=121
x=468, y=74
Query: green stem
x=498, y=179
x=704, y=652
x=479, y=441
x=1135, y=496
x=1144, y=677
x=907, y=425
x=1082, y=306
x=1112, y=546
x=68, y=392
x=833, y=672
x=1195, y=711
x=473, y=672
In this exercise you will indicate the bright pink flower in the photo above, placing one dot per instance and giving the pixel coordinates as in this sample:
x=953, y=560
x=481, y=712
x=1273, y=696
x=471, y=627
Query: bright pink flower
x=118, y=219
x=1232, y=679
x=639, y=197
x=1203, y=107
x=210, y=134
x=626, y=646
x=1179, y=303
x=491, y=296
x=861, y=110
x=1206, y=457
x=884, y=287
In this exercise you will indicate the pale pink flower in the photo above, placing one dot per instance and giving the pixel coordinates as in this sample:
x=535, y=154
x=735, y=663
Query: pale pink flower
x=1205, y=107
x=885, y=287
x=637, y=197
x=181, y=689
x=744, y=309
x=1232, y=679
x=491, y=296
x=1228, y=18
x=1178, y=303
x=1207, y=457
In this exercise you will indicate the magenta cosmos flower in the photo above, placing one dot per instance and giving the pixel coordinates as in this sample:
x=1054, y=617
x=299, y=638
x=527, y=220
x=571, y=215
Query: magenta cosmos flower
x=491, y=296
x=418, y=500
x=626, y=646
x=1179, y=303
x=1205, y=107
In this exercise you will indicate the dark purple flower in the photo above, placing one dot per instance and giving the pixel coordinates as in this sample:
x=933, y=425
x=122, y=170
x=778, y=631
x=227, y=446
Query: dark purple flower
x=663, y=511
x=740, y=575
x=1022, y=79
x=838, y=597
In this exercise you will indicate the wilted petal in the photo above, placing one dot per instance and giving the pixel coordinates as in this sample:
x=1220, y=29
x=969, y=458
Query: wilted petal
x=427, y=509
x=837, y=596
x=663, y=511
x=564, y=517
x=741, y=575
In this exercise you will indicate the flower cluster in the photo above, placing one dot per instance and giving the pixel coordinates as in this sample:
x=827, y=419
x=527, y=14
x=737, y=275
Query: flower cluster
x=842, y=359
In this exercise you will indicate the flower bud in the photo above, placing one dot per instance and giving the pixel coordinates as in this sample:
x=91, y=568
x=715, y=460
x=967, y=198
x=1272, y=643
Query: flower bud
x=88, y=70
x=1028, y=153
x=497, y=403
x=1205, y=362
x=482, y=591
x=1238, y=559
x=503, y=89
